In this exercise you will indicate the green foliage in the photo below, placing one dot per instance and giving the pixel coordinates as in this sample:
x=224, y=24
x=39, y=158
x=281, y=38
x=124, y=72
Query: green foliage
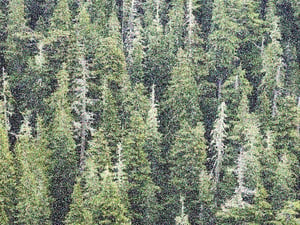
x=289, y=214
x=223, y=72
x=78, y=214
x=7, y=173
x=110, y=202
x=182, y=97
x=187, y=157
x=63, y=156
x=32, y=189
x=141, y=189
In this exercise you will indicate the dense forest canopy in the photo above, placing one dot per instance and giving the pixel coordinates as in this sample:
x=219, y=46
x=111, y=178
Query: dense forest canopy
x=149, y=112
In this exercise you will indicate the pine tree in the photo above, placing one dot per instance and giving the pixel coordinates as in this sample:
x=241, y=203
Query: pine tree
x=33, y=186
x=63, y=156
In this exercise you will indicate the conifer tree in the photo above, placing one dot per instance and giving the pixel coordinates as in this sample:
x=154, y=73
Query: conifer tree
x=135, y=56
x=246, y=140
x=182, y=97
x=111, y=122
x=206, y=199
x=157, y=50
x=269, y=161
x=141, y=189
x=289, y=214
x=59, y=38
x=175, y=25
x=62, y=145
x=241, y=177
x=183, y=219
x=234, y=88
x=33, y=186
x=153, y=140
x=272, y=61
x=284, y=183
x=223, y=41
x=7, y=171
x=110, y=202
x=80, y=105
x=187, y=157
x=19, y=48
x=218, y=138
x=78, y=214
x=285, y=126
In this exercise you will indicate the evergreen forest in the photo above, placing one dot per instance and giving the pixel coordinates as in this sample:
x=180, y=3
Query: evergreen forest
x=149, y=112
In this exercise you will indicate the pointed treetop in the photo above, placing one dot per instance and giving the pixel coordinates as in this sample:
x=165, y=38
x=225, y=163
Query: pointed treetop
x=61, y=19
x=16, y=17
x=114, y=27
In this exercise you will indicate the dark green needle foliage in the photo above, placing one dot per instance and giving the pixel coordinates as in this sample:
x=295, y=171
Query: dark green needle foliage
x=149, y=112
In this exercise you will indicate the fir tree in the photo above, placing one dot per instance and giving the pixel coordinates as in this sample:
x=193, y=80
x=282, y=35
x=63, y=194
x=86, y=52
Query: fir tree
x=283, y=187
x=182, y=97
x=223, y=41
x=7, y=171
x=272, y=62
x=153, y=141
x=186, y=159
x=183, y=218
x=141, y=189
x=78, y=214
x=218, y=137
x=110, y=202
x=63, y=156
x=32, y=190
